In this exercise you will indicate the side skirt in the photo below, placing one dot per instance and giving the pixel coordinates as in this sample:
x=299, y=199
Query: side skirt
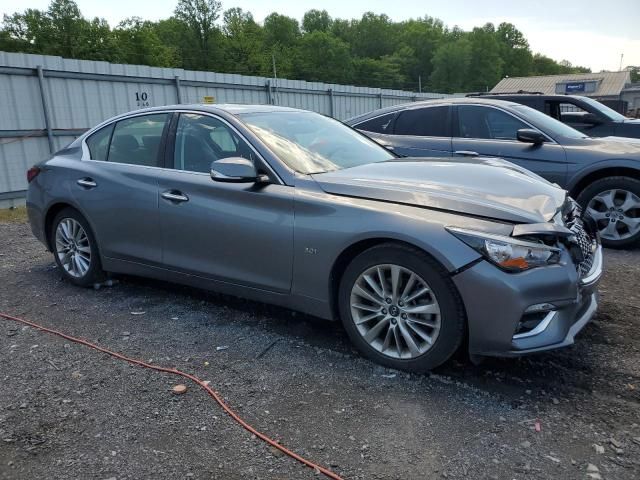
x=308, y=305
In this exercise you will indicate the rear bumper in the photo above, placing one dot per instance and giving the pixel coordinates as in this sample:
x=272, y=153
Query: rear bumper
x=35, y=213
x=496, y=301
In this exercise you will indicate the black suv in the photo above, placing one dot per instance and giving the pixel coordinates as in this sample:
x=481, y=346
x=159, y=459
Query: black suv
x=582, y=113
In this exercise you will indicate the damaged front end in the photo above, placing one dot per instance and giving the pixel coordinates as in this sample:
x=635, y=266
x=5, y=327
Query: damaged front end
x=554, y=267
x=573, y=229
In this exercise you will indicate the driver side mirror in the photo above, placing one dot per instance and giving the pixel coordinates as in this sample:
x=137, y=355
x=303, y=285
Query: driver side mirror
x=235, y=170
x=529, y=135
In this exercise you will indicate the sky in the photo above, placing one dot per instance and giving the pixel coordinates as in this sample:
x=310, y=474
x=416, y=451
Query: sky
x=590, y=33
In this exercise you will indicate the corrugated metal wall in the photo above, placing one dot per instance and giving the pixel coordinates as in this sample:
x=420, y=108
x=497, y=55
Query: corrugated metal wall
x=79, y=94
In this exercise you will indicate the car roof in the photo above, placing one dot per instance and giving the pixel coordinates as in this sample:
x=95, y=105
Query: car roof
x=525, y=95
x=232, y=108
x=437, y=101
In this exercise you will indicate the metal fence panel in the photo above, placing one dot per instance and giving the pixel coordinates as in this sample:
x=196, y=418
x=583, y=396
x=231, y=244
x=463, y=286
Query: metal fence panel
x=78, y=94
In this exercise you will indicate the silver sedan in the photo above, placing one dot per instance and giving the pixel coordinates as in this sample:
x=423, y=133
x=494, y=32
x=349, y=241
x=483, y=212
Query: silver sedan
x=413, y=255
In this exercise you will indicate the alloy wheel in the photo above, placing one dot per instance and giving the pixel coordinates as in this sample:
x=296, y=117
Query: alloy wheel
x=73, y=248
x=395, y=311
x=617, y=213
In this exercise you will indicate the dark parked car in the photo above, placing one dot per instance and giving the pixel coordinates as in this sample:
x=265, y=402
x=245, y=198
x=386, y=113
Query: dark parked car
x=293, y=208
x=603, y=174
x=582, y=113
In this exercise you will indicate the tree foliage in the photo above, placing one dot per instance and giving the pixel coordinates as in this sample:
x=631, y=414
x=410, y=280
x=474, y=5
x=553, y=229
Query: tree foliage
x=372, y=50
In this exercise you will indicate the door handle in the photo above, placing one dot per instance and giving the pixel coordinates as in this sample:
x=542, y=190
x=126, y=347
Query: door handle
x=388, y=147
x=87, y=182
x=175, y=196
x=466, y=153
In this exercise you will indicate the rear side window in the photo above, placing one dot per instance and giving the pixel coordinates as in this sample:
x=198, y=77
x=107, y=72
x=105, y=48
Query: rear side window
x=98, y=143
x=136, y=141
x=424, y=122
x=381, y=124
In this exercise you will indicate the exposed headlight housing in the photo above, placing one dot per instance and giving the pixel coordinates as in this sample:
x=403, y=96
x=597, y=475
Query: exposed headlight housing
x=507, y=253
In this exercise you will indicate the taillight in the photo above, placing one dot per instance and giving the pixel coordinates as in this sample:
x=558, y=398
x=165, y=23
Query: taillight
x=32, y=173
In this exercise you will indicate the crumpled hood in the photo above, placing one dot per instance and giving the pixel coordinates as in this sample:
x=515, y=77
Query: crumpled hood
x=487, y=187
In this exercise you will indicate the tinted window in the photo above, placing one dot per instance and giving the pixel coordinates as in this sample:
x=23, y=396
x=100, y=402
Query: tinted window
x=602, y=109
x=548, y=125
x=379, y=124
x=426, y=122
x=136, y=140
x=98, y=143
x=475, y=121
x=201, y=139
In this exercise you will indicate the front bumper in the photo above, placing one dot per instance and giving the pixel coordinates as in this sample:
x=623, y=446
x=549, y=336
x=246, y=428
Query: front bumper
x=495, y=302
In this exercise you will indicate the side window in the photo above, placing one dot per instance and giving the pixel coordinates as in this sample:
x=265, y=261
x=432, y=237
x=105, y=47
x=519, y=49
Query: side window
x=201, y=139
x=136, y=140
x=424, y=122
x=571, y=113
x=98, y=143
x=379, y=124
x=476, y=121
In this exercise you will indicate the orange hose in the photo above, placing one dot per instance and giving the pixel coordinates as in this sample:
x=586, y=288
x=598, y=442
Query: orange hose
x=193, y=378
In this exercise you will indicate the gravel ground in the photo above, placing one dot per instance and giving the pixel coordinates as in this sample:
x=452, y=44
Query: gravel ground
x=69, y=412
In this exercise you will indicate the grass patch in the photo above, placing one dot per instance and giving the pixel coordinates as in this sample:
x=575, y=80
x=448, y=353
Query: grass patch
x=13, y=215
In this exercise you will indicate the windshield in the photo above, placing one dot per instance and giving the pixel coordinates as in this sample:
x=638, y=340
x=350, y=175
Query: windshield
x=311, y=143
x=547, y=124
x=604, y=110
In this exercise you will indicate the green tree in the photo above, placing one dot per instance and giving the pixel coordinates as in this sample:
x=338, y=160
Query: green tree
x=451, y=64
x=26, y=32
x=372, y=50
x=343, y=29
x=244, y=46
x=281, y=30
x=316, y=21
x=137, y=42
x=543, y=65
x=176, y=34
x=333, y=65
x=418, y=42
x=281, y=34
x=485, y=67
x=373, y=36
x=514, y=51
x=67, y=26
x=98, y=41
x=200, y=16
x=383, y=73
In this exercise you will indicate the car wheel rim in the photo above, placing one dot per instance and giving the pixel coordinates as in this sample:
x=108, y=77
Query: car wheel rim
x=395, y=311
x=73, y=247
x=617, y=214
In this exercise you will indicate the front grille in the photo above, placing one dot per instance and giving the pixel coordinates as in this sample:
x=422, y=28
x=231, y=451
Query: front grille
x=583, y=242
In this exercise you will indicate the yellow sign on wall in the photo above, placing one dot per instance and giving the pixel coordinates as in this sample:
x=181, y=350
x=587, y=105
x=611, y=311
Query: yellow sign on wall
x=208, y=99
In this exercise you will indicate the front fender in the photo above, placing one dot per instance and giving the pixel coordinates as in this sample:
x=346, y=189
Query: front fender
x=327, y=226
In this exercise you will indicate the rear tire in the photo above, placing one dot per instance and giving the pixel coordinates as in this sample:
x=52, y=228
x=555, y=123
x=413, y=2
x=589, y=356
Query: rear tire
x=614, y=204
x=75, y=249
x=392, y=325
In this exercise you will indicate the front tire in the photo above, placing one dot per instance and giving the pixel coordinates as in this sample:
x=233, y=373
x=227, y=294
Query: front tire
x=75, y=249
x=400, y=309
x=614, y=204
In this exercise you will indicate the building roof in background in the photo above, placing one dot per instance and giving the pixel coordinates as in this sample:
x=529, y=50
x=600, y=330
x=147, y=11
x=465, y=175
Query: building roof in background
x=602, y=84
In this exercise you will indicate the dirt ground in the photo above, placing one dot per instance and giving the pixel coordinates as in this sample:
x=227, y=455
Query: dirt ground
x=70, y=412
